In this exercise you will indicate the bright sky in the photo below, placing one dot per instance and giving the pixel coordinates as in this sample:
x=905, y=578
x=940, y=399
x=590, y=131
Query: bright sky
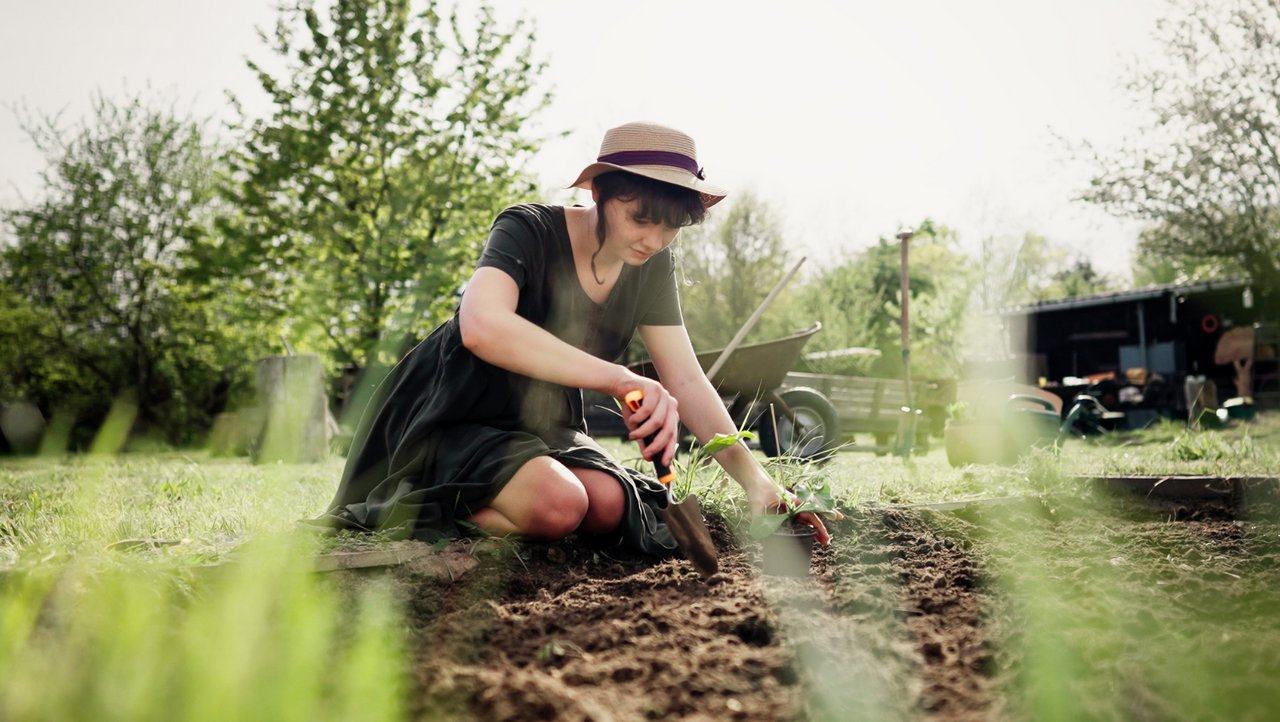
x=850, y=118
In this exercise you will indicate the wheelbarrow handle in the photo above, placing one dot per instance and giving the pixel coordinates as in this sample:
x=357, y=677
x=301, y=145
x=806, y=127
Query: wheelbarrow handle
x=751, y=322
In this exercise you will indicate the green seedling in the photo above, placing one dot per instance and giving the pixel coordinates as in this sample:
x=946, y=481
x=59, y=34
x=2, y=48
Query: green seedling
x=959, y=410
x=812, y=492
x=687, y=467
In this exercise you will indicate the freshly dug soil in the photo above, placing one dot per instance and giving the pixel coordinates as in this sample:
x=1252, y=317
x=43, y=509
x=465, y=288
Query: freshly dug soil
x=1082, y=608
x=885, y=627
x=945, y=610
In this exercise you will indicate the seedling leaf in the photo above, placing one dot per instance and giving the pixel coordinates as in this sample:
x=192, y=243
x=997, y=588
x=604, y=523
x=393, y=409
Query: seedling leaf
x=720, y=442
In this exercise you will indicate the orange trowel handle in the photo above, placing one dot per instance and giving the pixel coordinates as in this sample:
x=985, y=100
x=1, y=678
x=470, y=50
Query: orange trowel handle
x=665, y=474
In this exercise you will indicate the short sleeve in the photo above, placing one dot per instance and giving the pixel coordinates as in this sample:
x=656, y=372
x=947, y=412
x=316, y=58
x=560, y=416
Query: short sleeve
x=513, y=247
x=661, y=295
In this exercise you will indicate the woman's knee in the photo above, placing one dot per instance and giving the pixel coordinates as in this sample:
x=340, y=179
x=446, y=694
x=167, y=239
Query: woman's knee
x=606, y=502
x=549, y=503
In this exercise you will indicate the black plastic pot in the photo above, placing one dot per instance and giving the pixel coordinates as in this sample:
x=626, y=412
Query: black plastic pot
x=788, y=551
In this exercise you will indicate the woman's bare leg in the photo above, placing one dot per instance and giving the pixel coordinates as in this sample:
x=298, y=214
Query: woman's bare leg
x=548, y=500
x=605, y=503
x=493, y=522
x=544, y=500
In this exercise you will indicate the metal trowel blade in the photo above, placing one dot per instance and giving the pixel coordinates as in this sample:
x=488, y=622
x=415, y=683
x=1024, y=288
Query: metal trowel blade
x=690, y=530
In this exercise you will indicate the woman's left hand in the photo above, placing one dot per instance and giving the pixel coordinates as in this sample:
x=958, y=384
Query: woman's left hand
x=765, y=499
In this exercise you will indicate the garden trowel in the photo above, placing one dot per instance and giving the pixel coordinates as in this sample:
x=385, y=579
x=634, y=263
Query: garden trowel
x=683, y=518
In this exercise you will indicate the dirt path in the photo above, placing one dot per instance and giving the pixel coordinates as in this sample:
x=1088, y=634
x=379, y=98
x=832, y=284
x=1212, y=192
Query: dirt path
x=886, y=627
x=944, y=609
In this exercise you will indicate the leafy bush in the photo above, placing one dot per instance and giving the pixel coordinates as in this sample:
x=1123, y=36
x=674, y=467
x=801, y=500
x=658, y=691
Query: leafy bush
x=101, y=292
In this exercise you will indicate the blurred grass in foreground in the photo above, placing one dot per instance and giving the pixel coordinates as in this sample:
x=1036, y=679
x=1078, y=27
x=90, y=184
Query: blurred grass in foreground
x=262, y=638
x=1106, y=610
x=109, y=609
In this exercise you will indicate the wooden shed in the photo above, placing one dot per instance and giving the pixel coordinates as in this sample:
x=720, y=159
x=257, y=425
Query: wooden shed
x=1131, y=336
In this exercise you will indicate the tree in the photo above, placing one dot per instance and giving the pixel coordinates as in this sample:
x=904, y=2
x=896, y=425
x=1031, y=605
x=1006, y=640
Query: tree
x=1032, y=269
x=1079, y=278
x=1015, y=271
x=1154, y=264
x=1206, y=167
x=859, y=303
x=395, y=137
x=97, y=304
x=727, y=268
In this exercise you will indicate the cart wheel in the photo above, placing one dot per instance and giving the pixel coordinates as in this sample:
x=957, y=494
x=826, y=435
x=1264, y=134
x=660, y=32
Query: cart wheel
x=815, y=435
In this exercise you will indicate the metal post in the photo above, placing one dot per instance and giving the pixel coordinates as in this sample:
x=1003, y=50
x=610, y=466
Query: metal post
x=904, y=286
x=907, y=430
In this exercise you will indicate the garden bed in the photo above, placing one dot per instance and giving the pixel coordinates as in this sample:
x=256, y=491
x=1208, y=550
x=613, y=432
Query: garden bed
x=983, y=611
x=888, y=626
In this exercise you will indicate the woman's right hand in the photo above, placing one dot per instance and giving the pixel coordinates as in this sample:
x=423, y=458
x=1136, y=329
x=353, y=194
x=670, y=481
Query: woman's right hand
x=657, y=416
x=767, y=499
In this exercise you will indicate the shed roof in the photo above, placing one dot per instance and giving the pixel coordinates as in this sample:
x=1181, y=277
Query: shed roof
x=1138, y=294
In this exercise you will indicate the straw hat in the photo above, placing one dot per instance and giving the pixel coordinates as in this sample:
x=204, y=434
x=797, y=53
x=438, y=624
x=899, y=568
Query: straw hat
x=653, y=151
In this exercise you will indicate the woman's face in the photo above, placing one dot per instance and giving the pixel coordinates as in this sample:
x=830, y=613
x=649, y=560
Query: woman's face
x=631, y=237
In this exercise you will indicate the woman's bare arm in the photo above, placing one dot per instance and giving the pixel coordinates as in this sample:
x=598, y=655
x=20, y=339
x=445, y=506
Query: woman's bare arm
x=704, y=413
x=492, y=330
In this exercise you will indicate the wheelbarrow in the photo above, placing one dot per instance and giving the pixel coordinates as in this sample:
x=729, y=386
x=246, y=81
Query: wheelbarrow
x=794, y=422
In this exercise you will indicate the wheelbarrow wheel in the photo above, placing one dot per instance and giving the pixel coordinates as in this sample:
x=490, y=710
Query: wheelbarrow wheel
x=815, y=434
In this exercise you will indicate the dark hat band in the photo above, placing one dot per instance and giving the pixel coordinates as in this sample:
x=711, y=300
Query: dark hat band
x=654, y=157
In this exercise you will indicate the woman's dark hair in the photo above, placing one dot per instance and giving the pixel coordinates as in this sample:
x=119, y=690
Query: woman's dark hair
x=665, y=203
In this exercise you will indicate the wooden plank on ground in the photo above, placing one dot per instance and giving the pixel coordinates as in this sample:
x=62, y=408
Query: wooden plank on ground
x=449, y=562
x=958, y=505
x=1164, y=488
x=1191, y=488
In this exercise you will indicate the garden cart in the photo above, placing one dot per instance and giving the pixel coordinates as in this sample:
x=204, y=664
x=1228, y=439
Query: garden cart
x=797, y=422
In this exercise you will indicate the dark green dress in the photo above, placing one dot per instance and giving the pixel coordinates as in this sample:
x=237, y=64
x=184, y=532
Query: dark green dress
x=445, y=431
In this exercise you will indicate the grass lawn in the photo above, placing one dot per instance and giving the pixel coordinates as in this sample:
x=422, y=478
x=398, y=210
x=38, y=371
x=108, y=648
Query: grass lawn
x=82, y=505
